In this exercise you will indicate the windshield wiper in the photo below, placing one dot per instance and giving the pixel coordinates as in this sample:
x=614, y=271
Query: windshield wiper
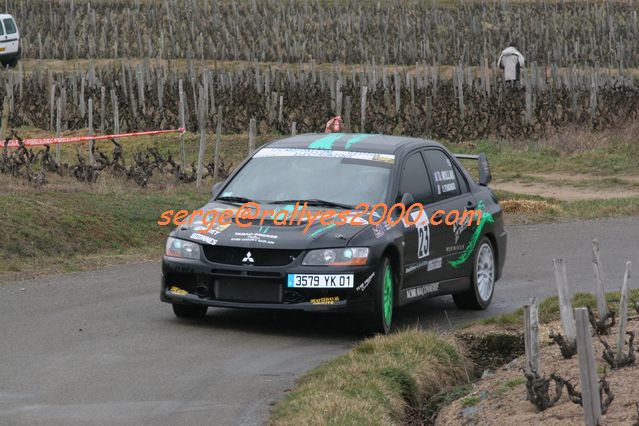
x=314, y=202
x=235, y=199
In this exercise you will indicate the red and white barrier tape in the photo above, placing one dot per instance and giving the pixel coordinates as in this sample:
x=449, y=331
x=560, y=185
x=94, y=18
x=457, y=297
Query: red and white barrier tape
x=13, y=143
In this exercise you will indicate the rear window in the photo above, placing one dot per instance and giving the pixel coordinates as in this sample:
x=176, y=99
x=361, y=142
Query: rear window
x=10, y=26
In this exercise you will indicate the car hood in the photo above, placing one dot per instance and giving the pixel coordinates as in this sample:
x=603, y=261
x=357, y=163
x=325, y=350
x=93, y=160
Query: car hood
x=269, y=234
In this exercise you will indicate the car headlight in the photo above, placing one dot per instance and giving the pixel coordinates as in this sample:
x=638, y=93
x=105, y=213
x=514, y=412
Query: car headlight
x=337, y=257
x=181, y=248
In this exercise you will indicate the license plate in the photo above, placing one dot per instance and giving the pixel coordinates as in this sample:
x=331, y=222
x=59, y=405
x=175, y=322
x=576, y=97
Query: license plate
x=1, y=49
x=320, y=281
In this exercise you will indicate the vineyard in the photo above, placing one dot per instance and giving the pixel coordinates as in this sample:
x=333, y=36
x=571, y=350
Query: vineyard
x=410, y=68
x=33, y=165
x=472, y=104
x=405, y=32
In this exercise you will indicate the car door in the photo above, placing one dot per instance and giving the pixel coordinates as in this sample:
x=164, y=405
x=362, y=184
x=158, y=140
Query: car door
x=452, y=197
x=3, y=39
x=420, y=256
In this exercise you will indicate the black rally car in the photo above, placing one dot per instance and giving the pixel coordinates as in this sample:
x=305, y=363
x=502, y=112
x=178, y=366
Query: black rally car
x=370, y=269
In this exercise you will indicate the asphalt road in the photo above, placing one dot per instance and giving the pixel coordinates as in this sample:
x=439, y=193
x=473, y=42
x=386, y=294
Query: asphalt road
x=99, y=348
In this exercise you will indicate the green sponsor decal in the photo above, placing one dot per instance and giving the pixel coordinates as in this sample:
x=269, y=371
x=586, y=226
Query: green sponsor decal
x=355, y=139
x=485, y=217
x=326, y=142
x=321, y=230
x=288, y=208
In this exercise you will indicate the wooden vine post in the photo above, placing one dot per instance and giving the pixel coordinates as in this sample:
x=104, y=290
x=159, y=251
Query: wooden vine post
x=531, y=337
x=218, y=143
x=91, y=142
x=252, y=135
x=623, y=315
x=202, y=125
x=600, y=291
x=587, y=370
x=565, y=308
x=362, y=125
x=182, y=123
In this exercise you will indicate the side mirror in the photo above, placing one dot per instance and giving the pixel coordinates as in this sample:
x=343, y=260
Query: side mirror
x=407, y=199
x=216, y=188
x=484, y=170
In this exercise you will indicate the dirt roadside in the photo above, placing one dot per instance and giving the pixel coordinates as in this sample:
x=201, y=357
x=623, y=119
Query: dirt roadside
x=500, y=398
x=567, y=187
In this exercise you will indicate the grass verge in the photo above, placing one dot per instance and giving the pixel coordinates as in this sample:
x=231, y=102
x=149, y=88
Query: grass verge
x=549, y=308
x=59, y=231
x=403, y=377
x=611, y=153
x=382, y=380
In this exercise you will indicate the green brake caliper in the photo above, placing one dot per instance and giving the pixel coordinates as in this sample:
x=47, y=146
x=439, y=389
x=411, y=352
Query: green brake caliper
x=388, y=296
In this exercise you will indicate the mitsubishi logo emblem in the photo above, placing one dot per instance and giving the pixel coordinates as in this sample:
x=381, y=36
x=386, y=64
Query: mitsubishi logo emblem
x=248, y=258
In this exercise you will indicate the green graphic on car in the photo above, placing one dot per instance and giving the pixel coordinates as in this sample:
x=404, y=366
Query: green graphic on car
x=327, y=142
x=485, y=218
x=388, y=295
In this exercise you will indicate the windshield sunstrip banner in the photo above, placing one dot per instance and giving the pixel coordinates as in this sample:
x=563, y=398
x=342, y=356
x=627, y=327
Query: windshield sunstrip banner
x=302, y=152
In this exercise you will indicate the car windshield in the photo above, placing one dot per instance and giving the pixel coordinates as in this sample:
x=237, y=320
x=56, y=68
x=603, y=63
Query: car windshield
x=342, y=177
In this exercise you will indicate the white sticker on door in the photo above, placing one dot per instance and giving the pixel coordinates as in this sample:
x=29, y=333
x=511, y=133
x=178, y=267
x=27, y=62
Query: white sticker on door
x=423, y=233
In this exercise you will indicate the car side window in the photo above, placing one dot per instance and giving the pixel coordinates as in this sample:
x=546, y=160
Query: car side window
x=415, y=179
x=442, y=174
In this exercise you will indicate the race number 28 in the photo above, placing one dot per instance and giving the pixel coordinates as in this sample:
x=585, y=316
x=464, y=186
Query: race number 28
x=423, y=233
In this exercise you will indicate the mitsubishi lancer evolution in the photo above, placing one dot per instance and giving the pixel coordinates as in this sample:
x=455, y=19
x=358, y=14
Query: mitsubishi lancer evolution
x=364, y=268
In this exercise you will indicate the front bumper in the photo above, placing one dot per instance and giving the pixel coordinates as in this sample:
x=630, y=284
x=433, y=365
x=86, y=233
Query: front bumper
x=10, y=53
x=198, y=281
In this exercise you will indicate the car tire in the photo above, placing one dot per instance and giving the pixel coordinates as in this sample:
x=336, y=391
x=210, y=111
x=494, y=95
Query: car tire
x=12, y=63
x=482, y=279
x=381, y=320
x=189, y=311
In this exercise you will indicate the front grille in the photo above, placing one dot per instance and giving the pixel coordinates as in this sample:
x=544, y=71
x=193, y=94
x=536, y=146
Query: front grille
x=251, y=273
x=260, y=257
x=247, y=290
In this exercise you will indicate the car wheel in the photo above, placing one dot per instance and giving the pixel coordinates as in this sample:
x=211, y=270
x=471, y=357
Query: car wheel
x=482, y=279
x=383, y=298
x=12, y=63
x=189, y=311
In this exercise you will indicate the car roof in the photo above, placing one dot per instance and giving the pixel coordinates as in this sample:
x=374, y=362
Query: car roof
x=358, y=142
x=5, y=15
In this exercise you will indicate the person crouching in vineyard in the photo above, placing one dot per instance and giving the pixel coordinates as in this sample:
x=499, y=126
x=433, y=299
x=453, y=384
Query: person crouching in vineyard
x=511, y=61
x=334, y=125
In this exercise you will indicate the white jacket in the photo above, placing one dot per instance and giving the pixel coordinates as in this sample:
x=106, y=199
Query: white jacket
x=508, y=60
